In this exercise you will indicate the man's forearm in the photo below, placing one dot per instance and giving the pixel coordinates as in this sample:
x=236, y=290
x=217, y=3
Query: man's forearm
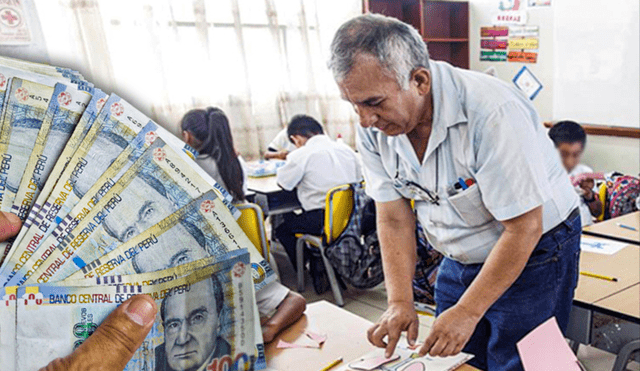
x=398, y=248
x=503, y=266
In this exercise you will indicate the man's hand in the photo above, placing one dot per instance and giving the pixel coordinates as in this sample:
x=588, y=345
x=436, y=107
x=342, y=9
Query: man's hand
x=399, y=317
x=450, y=332
x=112, y=345
x=9, y=226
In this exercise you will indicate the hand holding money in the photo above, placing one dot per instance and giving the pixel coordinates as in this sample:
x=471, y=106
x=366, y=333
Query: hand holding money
x=113, y=344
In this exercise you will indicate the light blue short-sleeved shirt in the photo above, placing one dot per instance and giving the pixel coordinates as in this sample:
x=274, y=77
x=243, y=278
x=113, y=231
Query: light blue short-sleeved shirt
x=485, y=130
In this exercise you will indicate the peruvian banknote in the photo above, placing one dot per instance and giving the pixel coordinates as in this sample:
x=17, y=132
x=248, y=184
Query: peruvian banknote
x=25, y=108
x=213, y=305
x=160, y=182
x=80, y=131
x=114, y=129
x=67, y=106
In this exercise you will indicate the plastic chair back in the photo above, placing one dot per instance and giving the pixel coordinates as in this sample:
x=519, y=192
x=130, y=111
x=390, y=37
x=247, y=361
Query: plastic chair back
x=338, y=208
x=251, y=221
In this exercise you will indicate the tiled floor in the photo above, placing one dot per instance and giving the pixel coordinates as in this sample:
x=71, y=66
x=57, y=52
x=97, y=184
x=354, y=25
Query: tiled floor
x=370, y=304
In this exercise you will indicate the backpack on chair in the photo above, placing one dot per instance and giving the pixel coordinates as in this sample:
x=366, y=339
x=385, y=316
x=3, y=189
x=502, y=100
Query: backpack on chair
x=623, y=191
x=355, y=255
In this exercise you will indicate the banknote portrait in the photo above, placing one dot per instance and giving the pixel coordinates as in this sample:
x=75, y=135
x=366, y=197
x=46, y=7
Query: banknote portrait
x=185, y=243
x=191, y=321
x=105, y=149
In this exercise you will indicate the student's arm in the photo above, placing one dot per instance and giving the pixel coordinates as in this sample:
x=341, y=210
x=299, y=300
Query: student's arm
x=289, y=175
x=289, y=311
x=396, y=229
x=279, y=155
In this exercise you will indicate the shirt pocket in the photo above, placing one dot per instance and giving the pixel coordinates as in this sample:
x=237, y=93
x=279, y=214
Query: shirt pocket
x=468, y=204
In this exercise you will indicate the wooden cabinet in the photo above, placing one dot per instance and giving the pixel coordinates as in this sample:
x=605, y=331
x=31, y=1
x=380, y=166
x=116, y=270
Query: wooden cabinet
x=444, y=25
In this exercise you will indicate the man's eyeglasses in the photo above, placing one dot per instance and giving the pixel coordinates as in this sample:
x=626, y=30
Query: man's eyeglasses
x=416, y=189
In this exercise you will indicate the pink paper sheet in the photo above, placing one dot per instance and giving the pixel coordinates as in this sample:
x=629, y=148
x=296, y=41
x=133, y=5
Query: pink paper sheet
x=317, y=340
x=545, y=349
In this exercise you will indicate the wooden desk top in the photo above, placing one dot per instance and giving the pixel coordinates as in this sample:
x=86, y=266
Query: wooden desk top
x=346, y=338
x=267, y=184
x=623, y=265
x=610, y=228
x=625, y=302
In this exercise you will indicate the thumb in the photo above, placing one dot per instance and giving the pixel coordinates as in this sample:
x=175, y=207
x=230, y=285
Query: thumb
x=9, y=225
x=113, y=343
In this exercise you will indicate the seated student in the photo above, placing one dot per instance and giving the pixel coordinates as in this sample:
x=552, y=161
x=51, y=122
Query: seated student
x=570, y=140
x=209, y=133
x=279, y=147
x=318, y=165
x=279, y=308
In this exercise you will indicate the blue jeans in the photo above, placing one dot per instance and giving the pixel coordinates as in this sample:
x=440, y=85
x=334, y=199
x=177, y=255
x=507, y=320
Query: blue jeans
x=544, y=289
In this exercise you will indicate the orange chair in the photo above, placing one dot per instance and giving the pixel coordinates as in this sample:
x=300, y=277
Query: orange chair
x=338, y=208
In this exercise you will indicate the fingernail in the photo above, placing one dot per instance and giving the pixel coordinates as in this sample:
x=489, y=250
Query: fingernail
x=141, y=310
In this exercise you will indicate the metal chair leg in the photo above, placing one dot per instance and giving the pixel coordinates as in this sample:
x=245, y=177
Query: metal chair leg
x=300, y=263
x=625, y=354
x=335, y=287
x=574, y=345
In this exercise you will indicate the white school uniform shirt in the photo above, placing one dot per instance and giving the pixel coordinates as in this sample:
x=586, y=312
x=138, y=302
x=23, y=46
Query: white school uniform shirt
x=316, y=167
x=483, y=129
x=209, y=165
x=585, y=213
x=281, y=142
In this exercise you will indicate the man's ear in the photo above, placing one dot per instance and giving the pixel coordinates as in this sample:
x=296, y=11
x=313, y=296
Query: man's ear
x=421, y=77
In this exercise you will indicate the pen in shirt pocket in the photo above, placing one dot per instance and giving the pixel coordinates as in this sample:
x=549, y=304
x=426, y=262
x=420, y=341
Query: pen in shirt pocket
x=460, y=185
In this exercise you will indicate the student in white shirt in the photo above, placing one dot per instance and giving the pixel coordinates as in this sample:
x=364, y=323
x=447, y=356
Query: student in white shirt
x=209, y=133
x=280, y=146
x=570, y=141
x=318, y=165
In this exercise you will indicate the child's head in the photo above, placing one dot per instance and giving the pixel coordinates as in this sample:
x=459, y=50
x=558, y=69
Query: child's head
x=208, y=131
x=570, y=140
x=301, y=128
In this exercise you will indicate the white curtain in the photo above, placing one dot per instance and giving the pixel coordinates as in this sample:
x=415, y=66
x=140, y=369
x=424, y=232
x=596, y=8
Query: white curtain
x=261, y=61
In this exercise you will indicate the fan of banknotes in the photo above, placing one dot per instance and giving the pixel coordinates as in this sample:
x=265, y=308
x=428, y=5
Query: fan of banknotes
x=113, y=205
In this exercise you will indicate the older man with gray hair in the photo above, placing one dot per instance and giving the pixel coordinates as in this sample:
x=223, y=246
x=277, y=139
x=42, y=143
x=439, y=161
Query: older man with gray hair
x=488, y=188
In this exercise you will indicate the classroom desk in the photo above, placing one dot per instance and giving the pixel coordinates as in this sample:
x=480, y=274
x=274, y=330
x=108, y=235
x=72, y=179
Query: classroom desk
x=626, y=302
x=623, y=265
x=610, y=298
x=610, y=229
x=346, y=338
x=271, y=198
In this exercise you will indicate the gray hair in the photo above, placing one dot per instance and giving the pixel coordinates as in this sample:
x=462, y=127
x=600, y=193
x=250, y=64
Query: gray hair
x=396, y=45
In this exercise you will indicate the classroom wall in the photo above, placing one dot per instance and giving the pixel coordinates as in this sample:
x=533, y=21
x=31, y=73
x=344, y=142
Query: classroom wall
x=604, y=153
x=567, y=30
x=480, y=14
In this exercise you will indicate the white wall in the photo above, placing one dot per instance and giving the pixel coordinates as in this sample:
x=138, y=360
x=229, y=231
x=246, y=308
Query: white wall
x=597, y=69
x=604, y=153
x=580, y=26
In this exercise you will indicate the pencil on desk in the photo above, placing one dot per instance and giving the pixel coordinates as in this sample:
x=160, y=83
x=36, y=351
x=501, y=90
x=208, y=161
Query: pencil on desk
x=332, y=365
x=627, y=227
x=589, y=274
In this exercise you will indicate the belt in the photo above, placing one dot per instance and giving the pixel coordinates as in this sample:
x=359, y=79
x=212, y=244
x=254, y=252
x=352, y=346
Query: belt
x=574, y=213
